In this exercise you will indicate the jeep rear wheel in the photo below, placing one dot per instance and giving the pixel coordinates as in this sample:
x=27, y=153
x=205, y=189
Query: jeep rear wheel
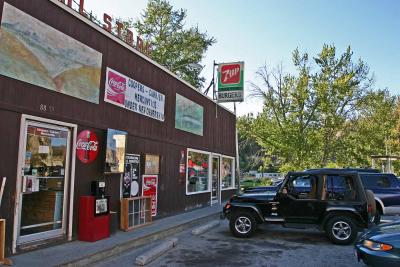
x=341, y=230
x=242, y=224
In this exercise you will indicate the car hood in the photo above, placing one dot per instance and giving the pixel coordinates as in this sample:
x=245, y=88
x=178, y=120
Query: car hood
x=254, y=196
x=261, y=188
x=388, y=233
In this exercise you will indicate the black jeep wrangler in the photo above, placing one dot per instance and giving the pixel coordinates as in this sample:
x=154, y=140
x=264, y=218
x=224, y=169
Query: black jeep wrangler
x=333, y=200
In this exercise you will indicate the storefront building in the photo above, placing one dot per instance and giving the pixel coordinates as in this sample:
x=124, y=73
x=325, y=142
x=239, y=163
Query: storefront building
x=78, y=104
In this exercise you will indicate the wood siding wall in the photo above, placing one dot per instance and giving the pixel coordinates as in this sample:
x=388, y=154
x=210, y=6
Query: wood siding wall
x=146, y=135
x=219, y=131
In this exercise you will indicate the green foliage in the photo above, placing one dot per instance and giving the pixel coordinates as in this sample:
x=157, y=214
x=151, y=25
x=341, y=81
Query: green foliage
x=249, y=183
x=173, y=46
x=255, y=183
x=126, y=24
x=323, y=115
x=339, y=84
x=373, y=131
x=250, y=157
x=265, y=182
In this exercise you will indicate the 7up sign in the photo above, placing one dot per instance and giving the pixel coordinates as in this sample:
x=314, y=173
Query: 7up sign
x=230, y=82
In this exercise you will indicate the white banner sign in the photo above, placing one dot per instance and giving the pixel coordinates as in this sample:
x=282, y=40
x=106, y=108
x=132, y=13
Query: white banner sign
x=127, y=93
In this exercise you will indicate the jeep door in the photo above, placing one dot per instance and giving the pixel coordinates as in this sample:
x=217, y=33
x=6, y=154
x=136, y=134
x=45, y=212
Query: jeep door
x=299, y=199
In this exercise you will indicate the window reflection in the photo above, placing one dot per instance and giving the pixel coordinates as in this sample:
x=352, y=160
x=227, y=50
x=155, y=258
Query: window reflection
x=197, y=172
x=227, y=173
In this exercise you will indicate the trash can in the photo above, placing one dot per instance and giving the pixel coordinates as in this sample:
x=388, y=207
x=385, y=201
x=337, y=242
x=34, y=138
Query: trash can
x=113, y=222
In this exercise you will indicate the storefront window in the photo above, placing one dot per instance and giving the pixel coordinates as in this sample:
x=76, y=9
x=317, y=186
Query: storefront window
x=227, y=173
x=197, y=172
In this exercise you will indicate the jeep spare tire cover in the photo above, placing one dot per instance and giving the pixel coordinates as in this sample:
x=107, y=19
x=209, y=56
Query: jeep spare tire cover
x=371, y=201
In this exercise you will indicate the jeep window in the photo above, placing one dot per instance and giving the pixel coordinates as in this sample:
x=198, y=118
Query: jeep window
x=303, y=187
x=339, y=187
x=376, y=181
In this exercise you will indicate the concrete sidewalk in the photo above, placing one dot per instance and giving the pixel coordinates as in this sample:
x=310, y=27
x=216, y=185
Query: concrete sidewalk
x=78, y=253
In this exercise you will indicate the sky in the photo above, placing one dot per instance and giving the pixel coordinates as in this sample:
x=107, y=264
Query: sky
x=261, y=32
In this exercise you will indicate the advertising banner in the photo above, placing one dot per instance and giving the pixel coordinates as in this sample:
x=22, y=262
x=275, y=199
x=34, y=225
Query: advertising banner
x=230, y=82
x=188, y=115
x=131, y=175
x=149, y=188
x=127, y=93
x=34, y=52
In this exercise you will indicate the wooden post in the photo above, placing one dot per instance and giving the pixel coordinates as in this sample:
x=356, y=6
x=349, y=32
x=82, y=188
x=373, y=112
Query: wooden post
x=3, y=260
x=3, y=183
x=2, y=239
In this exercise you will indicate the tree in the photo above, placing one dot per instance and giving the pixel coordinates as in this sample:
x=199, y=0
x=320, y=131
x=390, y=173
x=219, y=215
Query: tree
x=173, y=46
x=373, y=131
x=250, y=153
x=286, y=127
x=339, y=84
x=307, y=114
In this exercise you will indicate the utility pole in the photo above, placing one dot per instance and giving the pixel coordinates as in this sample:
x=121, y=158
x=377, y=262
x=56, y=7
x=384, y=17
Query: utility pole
x=237, y=151
x=214, y=94
x=215, y=98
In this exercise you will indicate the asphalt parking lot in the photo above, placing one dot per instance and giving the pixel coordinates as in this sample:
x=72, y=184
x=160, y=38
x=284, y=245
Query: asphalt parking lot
x=272, y=245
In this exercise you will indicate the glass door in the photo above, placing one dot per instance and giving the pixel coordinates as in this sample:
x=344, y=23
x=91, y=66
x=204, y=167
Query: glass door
x=44, y=174
x=215, y=179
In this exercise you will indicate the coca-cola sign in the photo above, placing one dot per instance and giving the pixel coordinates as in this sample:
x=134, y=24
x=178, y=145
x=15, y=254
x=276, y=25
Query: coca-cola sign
x=116, y=87
x=87, y=146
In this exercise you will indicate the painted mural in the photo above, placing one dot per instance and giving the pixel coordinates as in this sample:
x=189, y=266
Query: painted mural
x=188, y=115
x=33, y=52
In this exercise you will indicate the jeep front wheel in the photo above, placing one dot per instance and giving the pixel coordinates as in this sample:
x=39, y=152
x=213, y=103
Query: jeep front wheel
x=242, y=224
x=341, y=230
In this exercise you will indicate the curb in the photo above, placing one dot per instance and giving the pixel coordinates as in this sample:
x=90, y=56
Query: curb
x=138, y=242
x=205, y=228
x=156, y=252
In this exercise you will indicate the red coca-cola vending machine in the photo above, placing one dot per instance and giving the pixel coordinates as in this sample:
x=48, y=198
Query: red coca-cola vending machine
x=94, y=214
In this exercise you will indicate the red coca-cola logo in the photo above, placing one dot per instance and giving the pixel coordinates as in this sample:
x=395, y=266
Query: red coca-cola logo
x=116, y=87
x=87, y=146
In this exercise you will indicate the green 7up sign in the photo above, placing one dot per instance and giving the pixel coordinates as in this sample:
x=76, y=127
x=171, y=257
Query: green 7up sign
x=230, y=82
